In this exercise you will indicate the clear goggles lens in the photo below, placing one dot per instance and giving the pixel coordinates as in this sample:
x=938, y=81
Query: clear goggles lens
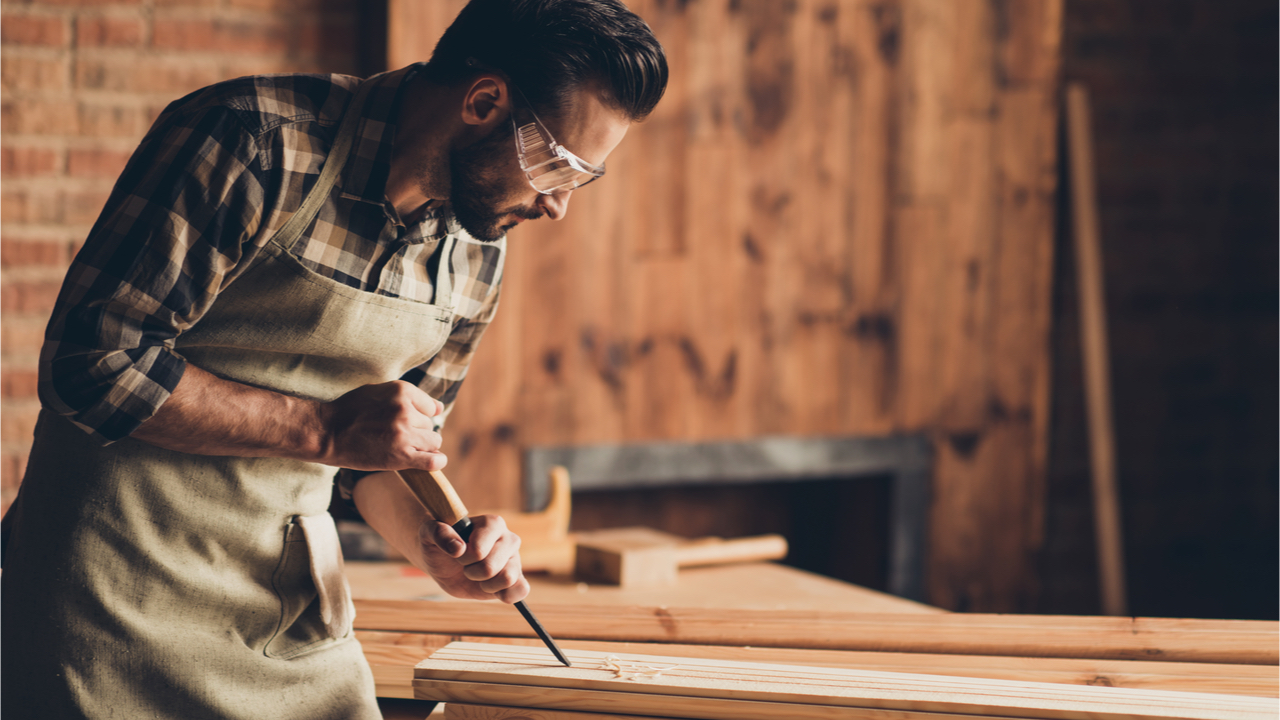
x=549, y=167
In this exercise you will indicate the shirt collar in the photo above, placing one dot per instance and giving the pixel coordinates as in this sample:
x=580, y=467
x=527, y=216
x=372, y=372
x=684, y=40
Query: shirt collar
x=365, y=176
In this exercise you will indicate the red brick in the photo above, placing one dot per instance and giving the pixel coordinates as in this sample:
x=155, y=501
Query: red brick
x=263, y=37
x=38, y=117
x=35, y=296
x=12, y=467
x=109, y=32
x=33, y=30
x=18, y=422
x=15, y=206
x=27, y=162
x=90, y=3
x=173, y=78
x=112, y=121
x=18, y=384
x=21, y=336
x=235, y=69
x=327, y=37
x=33, y=73
x=310, y=6
x=83, y=207
x=40, y=205
x=23, y=253
x=96, y=163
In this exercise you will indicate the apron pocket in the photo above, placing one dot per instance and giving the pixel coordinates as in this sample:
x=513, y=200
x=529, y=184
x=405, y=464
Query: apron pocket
x=315, y=600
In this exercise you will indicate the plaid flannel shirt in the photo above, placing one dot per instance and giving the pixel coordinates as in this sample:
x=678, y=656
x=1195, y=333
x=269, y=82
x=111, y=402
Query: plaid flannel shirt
x=218, y=173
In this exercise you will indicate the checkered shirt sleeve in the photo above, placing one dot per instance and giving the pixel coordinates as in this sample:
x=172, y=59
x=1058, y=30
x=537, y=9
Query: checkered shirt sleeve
x=210, y=183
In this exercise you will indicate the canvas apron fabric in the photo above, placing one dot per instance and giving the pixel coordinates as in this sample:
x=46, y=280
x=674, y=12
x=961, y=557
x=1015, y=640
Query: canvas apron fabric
x=145, y=583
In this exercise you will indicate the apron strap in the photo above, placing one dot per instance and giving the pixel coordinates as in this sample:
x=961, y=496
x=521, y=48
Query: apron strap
x=289, y=233
x=444, y=274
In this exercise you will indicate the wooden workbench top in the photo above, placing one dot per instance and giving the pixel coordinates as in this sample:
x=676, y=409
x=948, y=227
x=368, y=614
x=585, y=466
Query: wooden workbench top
x=747, y=586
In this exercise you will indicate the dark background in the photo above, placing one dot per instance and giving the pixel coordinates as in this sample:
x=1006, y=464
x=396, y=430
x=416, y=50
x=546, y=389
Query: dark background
x=1185, y=123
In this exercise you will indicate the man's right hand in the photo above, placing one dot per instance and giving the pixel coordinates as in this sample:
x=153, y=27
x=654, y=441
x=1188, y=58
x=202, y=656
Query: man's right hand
x=382, y=427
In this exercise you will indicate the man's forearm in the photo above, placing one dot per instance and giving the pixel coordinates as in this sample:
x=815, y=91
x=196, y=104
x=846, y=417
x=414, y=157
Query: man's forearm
x=390, y=508
x=207, y=415
x=386, y=426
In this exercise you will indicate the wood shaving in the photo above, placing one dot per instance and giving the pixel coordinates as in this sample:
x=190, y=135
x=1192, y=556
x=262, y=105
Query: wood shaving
x=631, y=671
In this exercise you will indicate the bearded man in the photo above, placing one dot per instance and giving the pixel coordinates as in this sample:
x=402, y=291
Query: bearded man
x=290, y=278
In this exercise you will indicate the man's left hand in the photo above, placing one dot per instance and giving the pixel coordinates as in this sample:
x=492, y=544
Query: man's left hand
x=486, y=567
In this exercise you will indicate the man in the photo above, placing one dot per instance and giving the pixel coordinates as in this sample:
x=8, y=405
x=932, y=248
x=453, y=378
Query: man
x=291, y=276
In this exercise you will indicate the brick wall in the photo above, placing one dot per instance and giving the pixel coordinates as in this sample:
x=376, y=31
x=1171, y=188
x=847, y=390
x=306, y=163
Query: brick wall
x=1185, y=117
x=82, y=80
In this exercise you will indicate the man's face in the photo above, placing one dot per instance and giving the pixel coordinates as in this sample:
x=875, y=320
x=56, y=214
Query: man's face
x=490, y=194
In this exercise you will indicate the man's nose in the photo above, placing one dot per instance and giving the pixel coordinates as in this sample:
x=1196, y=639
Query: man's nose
x=556, y=205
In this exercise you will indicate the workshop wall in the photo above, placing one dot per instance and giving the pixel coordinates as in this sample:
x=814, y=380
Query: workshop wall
x=82, y=81
x=1185, y=117
x=838, y=222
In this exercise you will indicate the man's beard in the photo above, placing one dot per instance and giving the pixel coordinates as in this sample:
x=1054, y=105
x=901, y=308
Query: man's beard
x=477, y=187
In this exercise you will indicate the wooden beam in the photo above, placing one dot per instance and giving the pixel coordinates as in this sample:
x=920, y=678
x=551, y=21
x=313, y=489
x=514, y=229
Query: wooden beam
x=1252, y=642
x=640, y=704
x=394, y=655
x=644, y=557
x=695, y=687
x=465, y=711
x=1097, y=365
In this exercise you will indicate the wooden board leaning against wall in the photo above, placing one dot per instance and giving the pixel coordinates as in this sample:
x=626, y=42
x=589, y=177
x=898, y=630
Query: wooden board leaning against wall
x=839, y=221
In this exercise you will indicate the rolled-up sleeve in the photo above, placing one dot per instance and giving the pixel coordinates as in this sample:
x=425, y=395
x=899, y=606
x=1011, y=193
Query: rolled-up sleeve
x=181, y=218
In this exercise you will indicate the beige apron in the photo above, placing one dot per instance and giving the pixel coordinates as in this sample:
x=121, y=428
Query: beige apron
x=145, y=583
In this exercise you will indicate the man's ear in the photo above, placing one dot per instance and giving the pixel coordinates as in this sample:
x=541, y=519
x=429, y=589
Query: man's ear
x=487, y=101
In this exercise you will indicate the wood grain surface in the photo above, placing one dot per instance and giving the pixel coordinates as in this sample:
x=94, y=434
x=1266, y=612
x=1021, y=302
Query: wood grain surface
x=461, y=711
x=394, y=655
x=759, y=586
x=1087, y=241
x=1249, y=642
x=839, y=221
x=679, y=681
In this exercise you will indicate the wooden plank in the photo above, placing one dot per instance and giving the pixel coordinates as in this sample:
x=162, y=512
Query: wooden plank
x=467, y=711
x=394, y=655
x=689, y=708
x=758, y=586
x=641, y=556
x=683, y=679
x=1097, y=365
x=1253, y=642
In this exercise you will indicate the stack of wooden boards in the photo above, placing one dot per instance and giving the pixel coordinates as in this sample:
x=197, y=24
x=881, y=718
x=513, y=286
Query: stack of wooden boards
x=757, y=664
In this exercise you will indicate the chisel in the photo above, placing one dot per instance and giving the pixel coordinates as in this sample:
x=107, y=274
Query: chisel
x=435, y=493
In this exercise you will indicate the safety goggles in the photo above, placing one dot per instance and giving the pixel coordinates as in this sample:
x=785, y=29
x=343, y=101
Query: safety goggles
x=549, y=167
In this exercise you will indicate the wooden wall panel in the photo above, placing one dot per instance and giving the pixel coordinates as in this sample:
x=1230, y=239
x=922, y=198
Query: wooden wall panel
x=838, y=222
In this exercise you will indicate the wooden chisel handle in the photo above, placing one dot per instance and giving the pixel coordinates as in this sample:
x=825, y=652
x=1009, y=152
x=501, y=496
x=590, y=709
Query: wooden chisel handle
x=715, y=551
x=439, y=498
x=436, y=494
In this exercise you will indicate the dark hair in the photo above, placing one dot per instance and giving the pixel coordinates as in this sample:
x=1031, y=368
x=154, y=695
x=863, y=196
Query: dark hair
x=550, y=48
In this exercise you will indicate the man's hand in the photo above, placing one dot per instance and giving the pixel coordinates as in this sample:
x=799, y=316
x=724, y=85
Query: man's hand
x=487, y=567
x=383, y=427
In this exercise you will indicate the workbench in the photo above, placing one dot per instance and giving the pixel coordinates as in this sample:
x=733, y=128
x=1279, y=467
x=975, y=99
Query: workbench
x=747, y=586
x=773, y=618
